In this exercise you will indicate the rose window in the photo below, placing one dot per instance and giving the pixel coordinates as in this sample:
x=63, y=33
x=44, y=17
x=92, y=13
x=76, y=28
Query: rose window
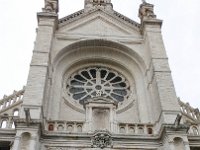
x=97, y=82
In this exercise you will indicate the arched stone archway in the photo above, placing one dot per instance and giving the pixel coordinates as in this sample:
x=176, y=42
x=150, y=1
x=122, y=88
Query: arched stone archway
x=107, y=54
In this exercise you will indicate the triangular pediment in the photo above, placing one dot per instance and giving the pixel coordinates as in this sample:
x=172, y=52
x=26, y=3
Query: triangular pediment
x=100, y=23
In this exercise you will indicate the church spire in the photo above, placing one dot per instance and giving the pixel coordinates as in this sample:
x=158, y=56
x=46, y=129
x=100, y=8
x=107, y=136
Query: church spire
x=105, y=4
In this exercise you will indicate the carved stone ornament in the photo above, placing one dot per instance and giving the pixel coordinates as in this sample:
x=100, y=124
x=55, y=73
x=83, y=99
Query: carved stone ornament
x=51, y=6
x=101, y=139
x=146, y=10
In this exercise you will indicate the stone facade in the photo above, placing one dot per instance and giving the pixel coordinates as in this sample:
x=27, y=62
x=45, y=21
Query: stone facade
x=98, y=80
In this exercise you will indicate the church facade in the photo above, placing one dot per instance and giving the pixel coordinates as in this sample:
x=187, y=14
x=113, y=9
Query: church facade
x=98, y=80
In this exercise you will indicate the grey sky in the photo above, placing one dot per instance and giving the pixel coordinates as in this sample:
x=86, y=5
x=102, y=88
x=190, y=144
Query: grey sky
x=181, y=35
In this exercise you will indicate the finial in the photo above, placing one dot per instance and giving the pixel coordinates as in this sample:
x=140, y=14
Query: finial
x=146, y=10
x=143, y=1
x=103, y=4
x=51, y=6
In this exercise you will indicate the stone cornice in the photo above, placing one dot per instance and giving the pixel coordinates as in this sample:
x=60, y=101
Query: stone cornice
x=81, y=13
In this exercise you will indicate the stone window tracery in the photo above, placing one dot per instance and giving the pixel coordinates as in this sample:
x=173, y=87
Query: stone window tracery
x=97, y=82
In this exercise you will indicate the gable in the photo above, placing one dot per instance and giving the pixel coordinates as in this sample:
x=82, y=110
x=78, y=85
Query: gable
x=99, y=23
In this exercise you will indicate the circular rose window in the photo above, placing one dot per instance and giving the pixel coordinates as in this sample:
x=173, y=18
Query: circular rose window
x=97, y=82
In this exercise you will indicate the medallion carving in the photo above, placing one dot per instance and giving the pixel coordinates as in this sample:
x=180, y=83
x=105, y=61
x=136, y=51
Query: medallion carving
x=101, y=139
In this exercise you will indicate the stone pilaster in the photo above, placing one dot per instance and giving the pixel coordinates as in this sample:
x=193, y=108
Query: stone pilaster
x=165, y=96
x=175, y=138
x=38, y=74
x=16, y=143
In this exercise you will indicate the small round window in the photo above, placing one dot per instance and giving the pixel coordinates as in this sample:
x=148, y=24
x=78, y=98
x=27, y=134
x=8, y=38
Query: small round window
x=97, y=82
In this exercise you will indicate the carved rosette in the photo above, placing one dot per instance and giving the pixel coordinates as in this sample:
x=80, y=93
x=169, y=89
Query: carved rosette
x=101, y=139
x=51, y=6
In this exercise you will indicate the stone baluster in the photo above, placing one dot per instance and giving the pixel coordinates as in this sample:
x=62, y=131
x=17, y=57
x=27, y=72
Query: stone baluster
x=197, y=114
x=14, y=99
x=136, y=129
x=145, y=129
x=55, y=126
x=9, y=123
x=4, y=104
x=65, y=126
x=9, y=101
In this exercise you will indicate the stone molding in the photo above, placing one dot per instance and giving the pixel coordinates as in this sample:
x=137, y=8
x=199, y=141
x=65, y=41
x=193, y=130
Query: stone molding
x=114, y=14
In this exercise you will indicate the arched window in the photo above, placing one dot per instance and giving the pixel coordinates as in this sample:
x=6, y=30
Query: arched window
x=195, y=130
x=79, y=128
x=150, y=131
x=140, y=130
x=60, y=127
x=178, y=143
x=70, y=128
x=25, y=141
x=131, y=130
x=51, y=127
x=4, y=124
x=122, y=130
x=16, y=112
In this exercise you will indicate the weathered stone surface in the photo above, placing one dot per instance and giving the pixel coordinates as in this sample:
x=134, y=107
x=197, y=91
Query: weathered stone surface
x=98, y=80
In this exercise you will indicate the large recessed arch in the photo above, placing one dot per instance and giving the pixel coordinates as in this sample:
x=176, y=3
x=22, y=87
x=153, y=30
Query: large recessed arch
x=100, y=43
x=101, y=53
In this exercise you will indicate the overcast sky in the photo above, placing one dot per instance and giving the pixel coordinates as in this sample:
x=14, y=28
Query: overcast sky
x=181, y=33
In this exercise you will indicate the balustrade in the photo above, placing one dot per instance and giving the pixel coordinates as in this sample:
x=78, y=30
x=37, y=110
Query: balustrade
x=11, y=100
x=60, y=126
x=77, y=127
x=137, y=129
x=189, y=111
x=7, y=122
